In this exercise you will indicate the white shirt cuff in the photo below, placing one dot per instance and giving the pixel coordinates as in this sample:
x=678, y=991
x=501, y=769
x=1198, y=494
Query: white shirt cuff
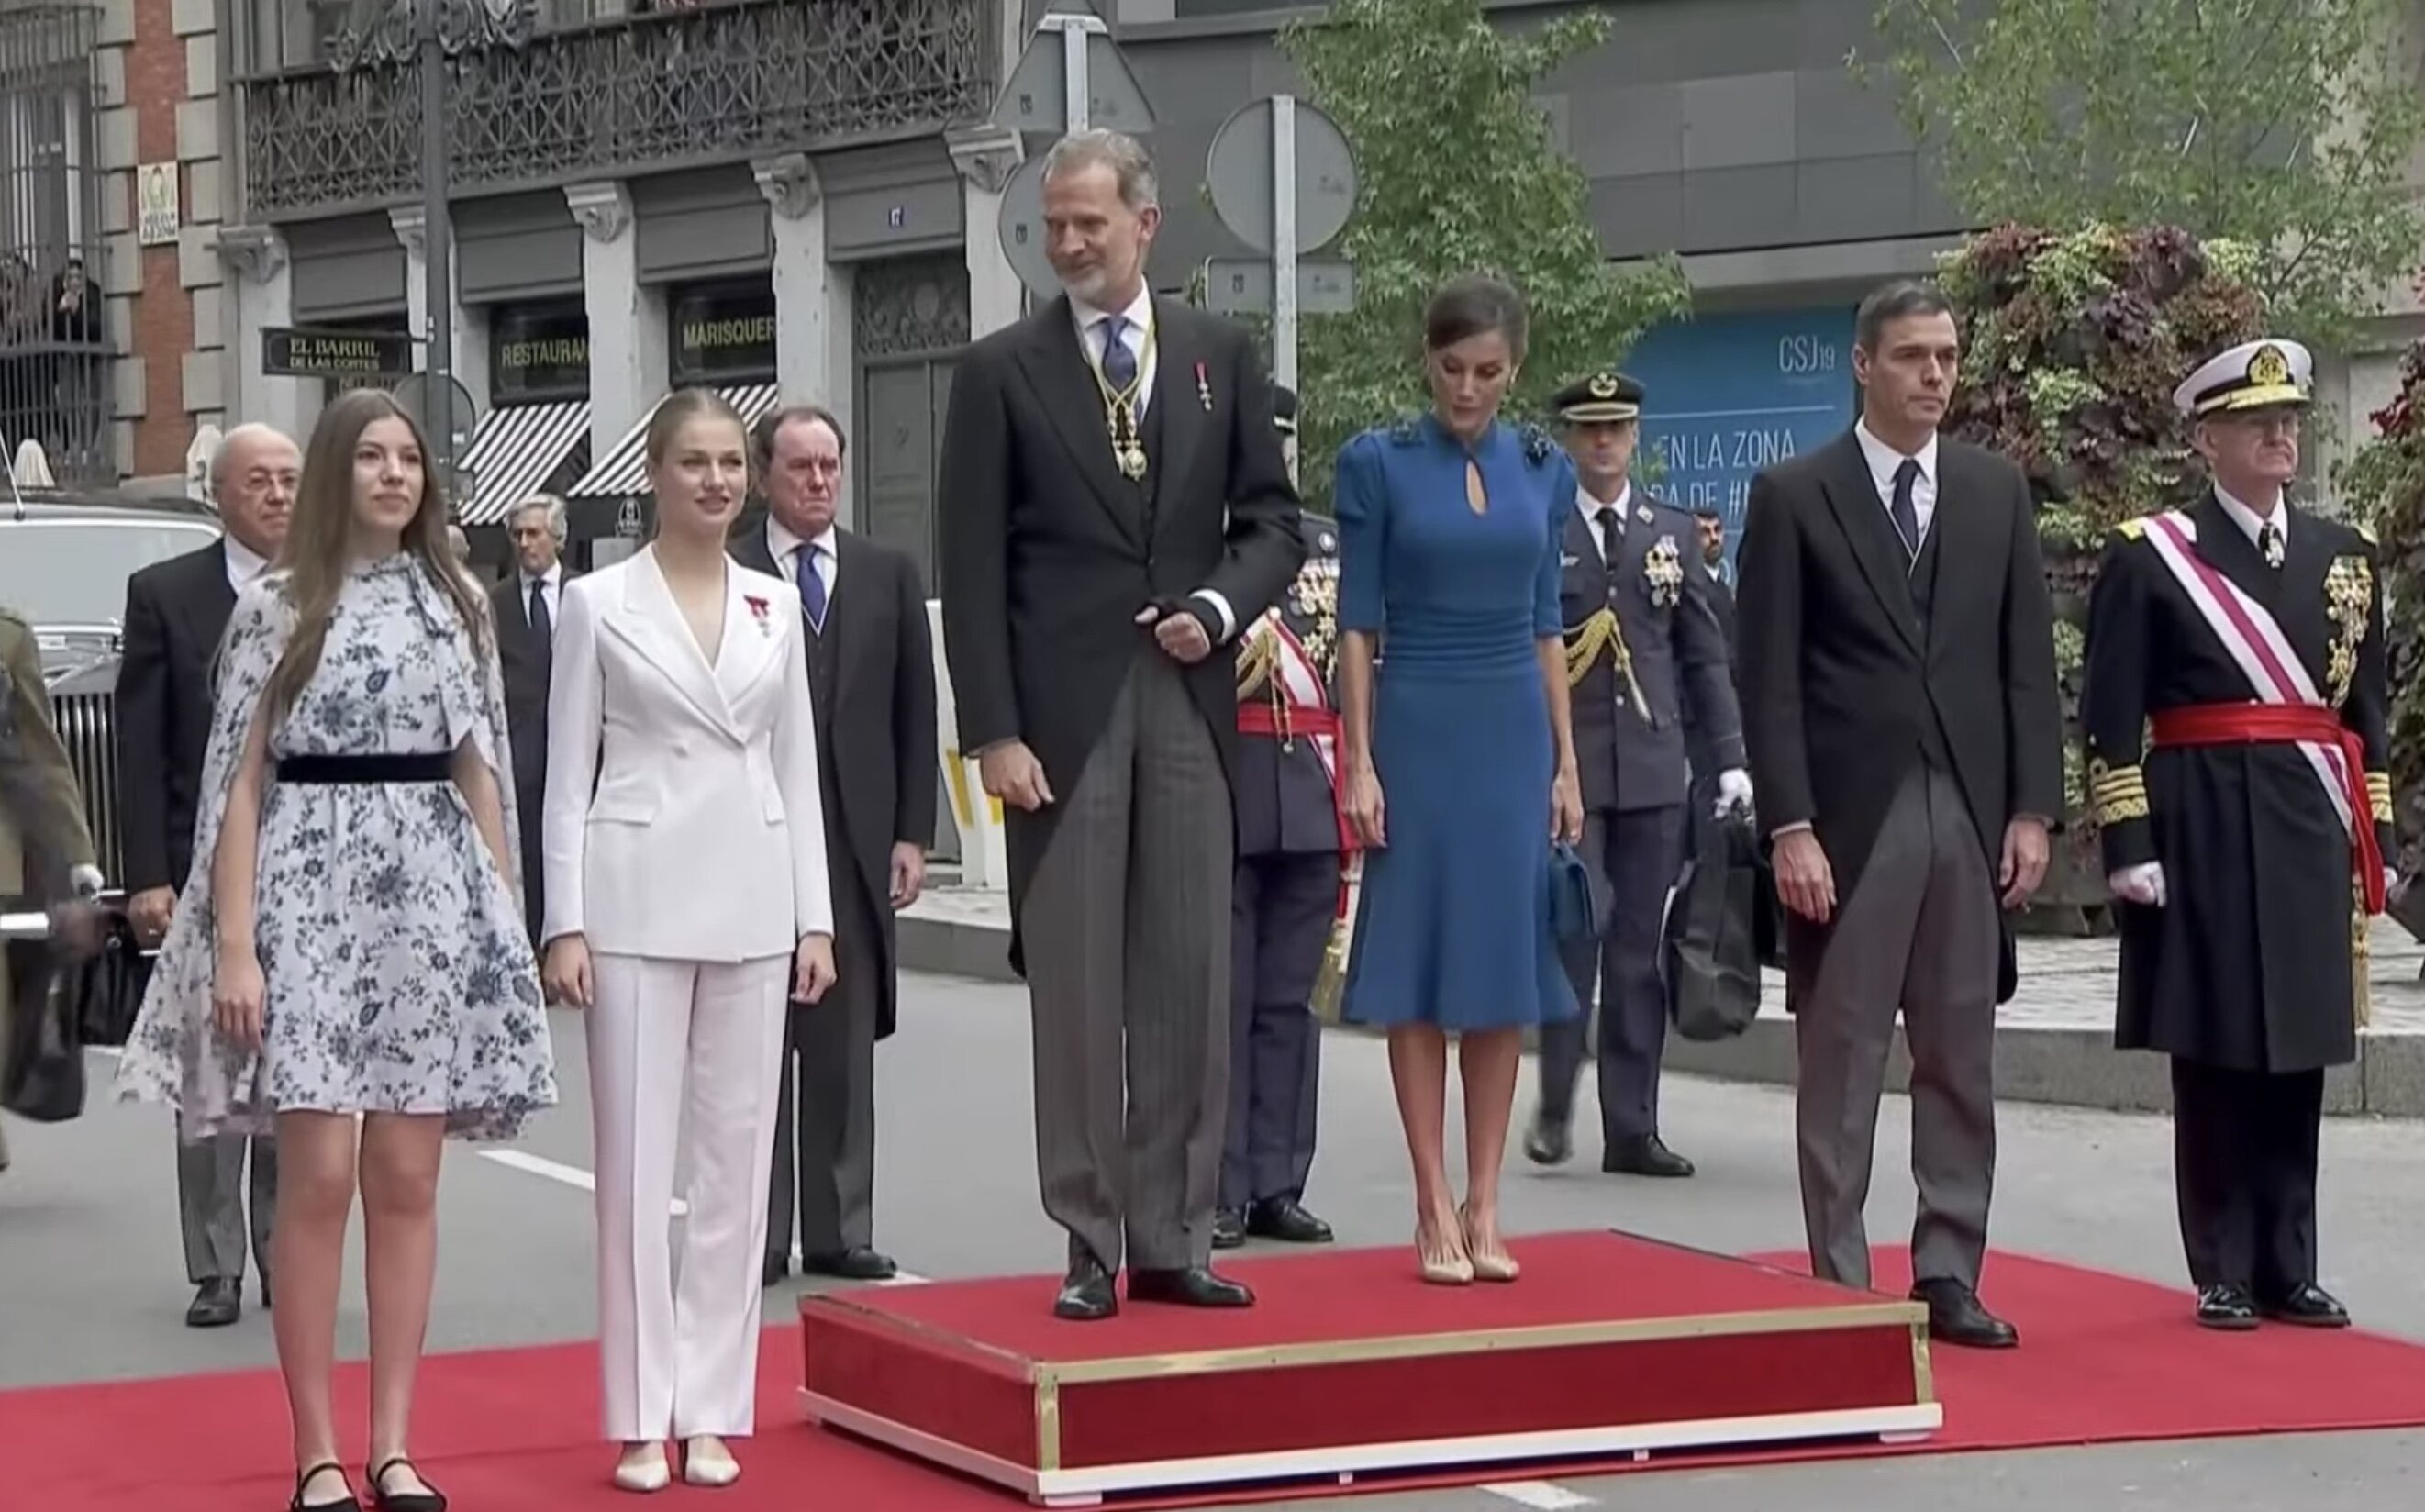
x=1220, y=606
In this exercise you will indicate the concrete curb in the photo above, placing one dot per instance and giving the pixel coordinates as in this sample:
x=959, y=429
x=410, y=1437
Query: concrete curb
x=2072, y=1066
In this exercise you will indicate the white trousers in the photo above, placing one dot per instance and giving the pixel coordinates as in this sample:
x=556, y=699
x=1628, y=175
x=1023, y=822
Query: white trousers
x=682, y=1053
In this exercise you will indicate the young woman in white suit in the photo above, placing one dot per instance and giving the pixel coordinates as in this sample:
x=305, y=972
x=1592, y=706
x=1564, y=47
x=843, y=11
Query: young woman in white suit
x=686, y=904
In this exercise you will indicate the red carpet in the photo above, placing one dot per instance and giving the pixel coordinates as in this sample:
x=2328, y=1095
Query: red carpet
x=2105, y=1359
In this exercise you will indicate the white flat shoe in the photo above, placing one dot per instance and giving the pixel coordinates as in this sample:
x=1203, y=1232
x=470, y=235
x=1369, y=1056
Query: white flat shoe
x=707, y=1462
x=649, y=1472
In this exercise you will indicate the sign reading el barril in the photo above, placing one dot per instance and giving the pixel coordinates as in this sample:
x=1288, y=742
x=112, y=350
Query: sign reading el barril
x=292, y=352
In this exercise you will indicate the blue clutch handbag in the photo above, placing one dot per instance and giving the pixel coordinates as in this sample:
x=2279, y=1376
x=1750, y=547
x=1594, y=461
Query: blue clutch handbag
x=1574, y=913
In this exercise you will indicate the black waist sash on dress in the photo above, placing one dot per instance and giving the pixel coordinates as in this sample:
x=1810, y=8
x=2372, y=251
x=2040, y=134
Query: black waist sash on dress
x=412, y=766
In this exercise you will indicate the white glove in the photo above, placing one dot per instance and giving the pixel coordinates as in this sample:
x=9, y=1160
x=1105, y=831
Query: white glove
x=2390, y=884
x=1734, y=792
x=2143, y=884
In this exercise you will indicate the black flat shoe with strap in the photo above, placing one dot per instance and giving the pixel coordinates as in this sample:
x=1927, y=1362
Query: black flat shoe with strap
x=384, y=1500
x=345, y=1504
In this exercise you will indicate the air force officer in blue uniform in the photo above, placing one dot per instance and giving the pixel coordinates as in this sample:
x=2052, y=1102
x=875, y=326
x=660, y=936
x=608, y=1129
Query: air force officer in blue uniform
x=1646, y=656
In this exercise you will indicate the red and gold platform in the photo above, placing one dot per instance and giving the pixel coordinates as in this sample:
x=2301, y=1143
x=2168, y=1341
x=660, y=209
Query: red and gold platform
x=1350, y=1366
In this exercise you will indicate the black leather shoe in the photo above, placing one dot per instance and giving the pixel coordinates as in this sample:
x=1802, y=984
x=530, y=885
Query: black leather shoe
x=2308, y=1306
x=1548, y=1141
x=857, y=1264
x=1228, y=1228
x=1195, y=1287
x=1643, y=1155
x=383, y=1500
x=325, y=1472
x=218, y=1302
x=2226, y=1307
x=1088, y=1294
x=1286, y=1220
x=1956, y=1316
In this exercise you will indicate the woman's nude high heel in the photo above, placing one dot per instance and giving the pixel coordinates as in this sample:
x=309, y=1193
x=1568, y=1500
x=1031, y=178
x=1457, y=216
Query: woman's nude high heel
x=1488, y=1264
x=1442, y=1259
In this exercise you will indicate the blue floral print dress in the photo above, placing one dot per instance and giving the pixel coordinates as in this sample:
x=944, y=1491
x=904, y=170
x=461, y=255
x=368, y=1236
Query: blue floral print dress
x=398, y=976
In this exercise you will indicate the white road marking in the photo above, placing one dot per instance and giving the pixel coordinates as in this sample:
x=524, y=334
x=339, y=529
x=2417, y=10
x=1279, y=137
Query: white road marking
x=1542, y=1494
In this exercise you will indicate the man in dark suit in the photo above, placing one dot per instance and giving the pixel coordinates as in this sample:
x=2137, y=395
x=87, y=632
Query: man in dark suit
x=1700, y=752
x=872, y=677
x=1899, y=699
x=1290, y=836
x=1644, y=656
x=525, y=604
x=176, y=612
x=1114, y=506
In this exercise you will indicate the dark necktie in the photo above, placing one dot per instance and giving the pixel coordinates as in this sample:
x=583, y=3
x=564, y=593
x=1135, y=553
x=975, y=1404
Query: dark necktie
x=812, y=585
x=1119, y=363
x=540, y=625
x=2269, y=540
x=1611, y=540
x=1906, y=515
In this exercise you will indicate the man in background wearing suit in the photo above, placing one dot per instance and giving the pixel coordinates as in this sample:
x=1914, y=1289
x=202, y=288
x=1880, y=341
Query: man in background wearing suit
x=1899, y=705
x=1644, y=655
x=1114, y=507
x=1290, y=837
x=526, y=604
x=1700, y=752
x=176, y=612
x=872, y=677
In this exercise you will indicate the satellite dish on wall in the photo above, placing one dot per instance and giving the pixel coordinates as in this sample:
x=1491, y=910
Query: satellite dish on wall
x=199, y=458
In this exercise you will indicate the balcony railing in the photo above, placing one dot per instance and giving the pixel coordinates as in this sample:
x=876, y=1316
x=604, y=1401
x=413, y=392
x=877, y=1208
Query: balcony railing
x=642, y=94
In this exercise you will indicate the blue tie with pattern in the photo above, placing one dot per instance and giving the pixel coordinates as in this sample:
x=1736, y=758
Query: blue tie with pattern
x=812, y=585
x=1119, y=363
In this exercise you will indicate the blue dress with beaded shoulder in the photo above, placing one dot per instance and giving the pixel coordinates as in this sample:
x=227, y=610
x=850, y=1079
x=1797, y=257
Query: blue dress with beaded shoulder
x=1452, y=925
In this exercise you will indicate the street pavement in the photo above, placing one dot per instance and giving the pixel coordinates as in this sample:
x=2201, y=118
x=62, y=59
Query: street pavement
x=91, y=1286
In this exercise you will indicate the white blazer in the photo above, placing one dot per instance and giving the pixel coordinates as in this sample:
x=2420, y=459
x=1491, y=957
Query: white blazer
x=682, y=818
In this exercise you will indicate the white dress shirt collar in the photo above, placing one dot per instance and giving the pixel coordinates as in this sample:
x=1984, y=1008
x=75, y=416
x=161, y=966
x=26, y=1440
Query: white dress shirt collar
x=782, y=543
x=1590, y=508
x=1885, y=461
x=2249, y=520
x=1139, y=316
x=244, y=564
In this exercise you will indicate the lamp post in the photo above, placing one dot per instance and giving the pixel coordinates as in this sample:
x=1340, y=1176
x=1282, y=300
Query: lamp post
x=426, y=34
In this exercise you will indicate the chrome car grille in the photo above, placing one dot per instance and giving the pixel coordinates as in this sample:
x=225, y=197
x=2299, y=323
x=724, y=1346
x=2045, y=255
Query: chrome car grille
x=87, y=729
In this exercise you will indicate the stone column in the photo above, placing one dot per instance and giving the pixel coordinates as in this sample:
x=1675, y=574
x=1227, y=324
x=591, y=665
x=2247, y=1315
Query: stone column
x=812, y=297
x=263, y=294
x=986, y=157
x=627, y=319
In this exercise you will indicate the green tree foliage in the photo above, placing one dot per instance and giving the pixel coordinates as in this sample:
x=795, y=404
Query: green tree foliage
x=1458, y=174
x=2287, y=125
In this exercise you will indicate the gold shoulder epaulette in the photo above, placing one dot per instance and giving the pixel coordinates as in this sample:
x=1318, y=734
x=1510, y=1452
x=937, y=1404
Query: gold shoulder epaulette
x=2116, y=794
x=2378, y=796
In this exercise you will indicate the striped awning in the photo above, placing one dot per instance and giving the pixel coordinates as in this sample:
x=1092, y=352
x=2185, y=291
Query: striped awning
x=623, y=472
x=513, y=452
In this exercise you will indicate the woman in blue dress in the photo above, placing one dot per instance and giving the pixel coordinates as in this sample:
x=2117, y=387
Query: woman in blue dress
x=1460, y=760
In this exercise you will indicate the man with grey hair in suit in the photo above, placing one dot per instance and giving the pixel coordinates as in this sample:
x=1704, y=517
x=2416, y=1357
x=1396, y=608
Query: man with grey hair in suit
x=1116, y=509
x=525, y=604
x=176, y=611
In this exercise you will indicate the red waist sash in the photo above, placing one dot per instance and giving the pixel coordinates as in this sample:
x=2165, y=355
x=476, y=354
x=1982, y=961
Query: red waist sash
x=2276, y=724
x=1287, y=722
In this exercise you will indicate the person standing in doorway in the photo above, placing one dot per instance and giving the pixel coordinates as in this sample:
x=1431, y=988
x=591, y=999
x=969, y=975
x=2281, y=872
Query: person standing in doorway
x=1291, y=837
x=1899, y=707
x=1646, y=658
x=2245, y=846
x=527, y=604
x=176, y=614
x=1114, y=507
x=872, y=673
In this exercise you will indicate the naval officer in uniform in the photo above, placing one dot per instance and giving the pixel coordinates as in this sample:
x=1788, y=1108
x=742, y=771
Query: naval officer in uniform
x=1645, y=657
x=1291, y=841
x=2234, y=706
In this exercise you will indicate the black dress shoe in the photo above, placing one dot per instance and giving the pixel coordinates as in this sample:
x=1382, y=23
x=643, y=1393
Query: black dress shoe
x=1194, y=1287
x=2308, y=1306
x=431, y=1499
x=344, y=1501
x=1956, y=1316
x=2226, y=1307
x=857, y=1264
x=1228, y=1228
x=1548, y=1141
x=1643, y=1155
x=1286, y=1220
x=218, y=1302
x=1088, y=1294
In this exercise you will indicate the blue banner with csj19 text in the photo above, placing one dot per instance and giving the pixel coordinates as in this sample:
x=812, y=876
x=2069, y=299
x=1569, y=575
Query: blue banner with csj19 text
x=1728, y=395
